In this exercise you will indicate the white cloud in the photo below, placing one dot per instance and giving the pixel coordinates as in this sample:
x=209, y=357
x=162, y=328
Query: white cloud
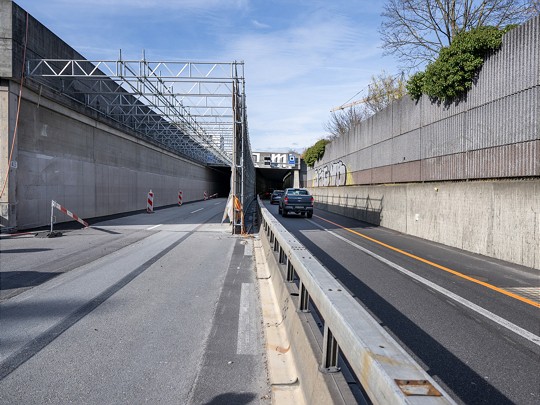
x=258, y=24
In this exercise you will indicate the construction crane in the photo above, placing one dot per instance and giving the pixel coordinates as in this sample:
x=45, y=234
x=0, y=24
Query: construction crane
x=352, y=104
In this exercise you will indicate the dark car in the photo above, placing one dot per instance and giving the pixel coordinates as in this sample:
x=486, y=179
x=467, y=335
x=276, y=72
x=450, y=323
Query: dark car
x=297, y=200
x=276, y=196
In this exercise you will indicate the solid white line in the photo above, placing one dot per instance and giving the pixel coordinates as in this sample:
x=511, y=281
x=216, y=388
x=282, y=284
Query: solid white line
x=490, y=315
x=247, y=329
x=193, y=212
x=153, y=227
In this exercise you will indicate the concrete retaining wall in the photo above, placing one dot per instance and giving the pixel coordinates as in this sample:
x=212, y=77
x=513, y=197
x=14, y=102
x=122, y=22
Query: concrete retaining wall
x=500, y=219
x=386, y=169
x=90, y=168
x=67, y=152
x=494, y=132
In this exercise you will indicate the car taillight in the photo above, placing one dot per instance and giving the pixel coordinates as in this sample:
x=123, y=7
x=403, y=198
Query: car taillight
x=286, y=199
x=312, y=200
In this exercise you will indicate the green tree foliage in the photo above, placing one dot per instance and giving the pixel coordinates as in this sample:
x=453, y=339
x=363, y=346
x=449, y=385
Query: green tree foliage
x=452, y=74
x=315, y=152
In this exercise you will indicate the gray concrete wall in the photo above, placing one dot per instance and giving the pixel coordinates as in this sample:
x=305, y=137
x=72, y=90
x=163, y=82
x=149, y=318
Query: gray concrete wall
x=387, y=169
x=494, y=132
x=500, y=219
x=91, y=169
x=66, y=152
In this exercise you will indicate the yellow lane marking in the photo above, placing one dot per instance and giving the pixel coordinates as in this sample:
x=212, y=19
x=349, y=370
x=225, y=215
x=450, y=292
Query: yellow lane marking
x=454, y=272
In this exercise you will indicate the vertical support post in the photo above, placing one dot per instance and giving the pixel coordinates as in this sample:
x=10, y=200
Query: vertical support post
x=52, y=214
x=330, y=356
x=290, y=272
x=303, y=303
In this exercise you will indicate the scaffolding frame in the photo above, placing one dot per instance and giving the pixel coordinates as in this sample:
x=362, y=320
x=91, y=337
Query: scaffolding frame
x=184, y=105
x=197, y=109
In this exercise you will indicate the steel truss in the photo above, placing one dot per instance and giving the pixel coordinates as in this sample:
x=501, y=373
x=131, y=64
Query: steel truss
x=195, y=108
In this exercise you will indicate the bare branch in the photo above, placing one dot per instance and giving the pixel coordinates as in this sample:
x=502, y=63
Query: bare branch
x=416, y=30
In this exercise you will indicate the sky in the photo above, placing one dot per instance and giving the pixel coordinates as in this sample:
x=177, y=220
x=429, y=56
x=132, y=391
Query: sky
x=302, y=57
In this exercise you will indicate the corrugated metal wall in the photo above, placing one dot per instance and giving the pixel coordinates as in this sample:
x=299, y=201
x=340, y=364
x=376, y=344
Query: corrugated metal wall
x=494, y=133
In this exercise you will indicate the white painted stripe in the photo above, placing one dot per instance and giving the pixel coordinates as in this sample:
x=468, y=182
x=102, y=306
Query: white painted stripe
x=491, y=316
x=193, y=212
x=218, y=203
x=247, y=329
x=153, y=227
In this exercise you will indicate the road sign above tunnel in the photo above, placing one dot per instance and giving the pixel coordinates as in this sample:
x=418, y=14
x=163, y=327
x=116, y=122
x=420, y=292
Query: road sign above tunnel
x=276, y=160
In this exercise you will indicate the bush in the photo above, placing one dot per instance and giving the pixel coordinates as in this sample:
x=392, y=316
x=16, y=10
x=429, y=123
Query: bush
x=315, y=152
x=452, y=74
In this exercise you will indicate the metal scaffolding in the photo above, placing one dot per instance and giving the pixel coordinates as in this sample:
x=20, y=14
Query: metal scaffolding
x=197, y=109
x=186, y=106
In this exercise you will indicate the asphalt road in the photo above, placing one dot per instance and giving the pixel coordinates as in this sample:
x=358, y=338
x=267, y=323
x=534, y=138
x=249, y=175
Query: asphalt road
x=150, y=308
x=472, y=322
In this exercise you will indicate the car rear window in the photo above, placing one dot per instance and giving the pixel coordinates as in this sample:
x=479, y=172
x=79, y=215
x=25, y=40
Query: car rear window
x=298, y=192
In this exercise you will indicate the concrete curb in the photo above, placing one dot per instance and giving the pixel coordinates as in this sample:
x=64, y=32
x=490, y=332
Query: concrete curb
x=298, y=338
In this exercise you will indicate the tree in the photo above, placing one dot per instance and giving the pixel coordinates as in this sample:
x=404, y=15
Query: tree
x=452, y=74
x=382, y=91
x=342, y=121
x=416, y=30
x=315, y=152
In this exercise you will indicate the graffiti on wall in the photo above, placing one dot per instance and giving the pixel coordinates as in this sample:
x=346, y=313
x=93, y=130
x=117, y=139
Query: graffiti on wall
x=332, y=174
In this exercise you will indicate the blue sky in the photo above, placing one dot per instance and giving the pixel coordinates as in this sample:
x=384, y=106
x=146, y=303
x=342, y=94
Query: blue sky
x=301, y=57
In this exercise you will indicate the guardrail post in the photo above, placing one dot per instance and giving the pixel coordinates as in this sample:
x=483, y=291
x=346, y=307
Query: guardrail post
x=303, y=303
x=330, y=354
x=282, y=256
x=290, y=272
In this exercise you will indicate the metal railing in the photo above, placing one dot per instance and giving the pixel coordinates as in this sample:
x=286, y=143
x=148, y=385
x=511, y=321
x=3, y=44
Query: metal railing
x=386, y=373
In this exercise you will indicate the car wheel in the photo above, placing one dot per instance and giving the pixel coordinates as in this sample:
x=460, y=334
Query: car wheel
x=284, y=212
x=310, y=214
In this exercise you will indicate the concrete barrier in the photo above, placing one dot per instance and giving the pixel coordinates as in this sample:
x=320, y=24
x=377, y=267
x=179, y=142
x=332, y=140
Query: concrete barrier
x=497, y=218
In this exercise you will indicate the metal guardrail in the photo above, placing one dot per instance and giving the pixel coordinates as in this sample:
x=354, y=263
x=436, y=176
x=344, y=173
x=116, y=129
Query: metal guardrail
x=387, y=374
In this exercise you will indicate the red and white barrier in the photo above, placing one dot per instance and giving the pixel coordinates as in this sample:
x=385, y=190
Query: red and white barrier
x=150, y=202
x=70, y=214
x=205, y=196
x=180, y=198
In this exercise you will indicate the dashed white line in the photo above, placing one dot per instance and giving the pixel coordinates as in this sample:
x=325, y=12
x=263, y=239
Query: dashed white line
x=476, y=308
x=153, y=227
x=193, y=212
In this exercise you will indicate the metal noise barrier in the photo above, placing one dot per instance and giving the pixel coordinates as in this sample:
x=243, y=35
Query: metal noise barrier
x=386, y=372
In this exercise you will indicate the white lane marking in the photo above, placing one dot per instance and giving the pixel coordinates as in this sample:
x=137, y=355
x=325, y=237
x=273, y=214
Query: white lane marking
x=218, y=203
x=478, y=309
x=153, y=227
x=193, y=212
x=247, y=329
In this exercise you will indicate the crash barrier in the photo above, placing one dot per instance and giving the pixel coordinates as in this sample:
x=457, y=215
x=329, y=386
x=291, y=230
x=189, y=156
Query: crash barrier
x=70, y=214
x=179, y=198
x=150, y=202
x=385, y=372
